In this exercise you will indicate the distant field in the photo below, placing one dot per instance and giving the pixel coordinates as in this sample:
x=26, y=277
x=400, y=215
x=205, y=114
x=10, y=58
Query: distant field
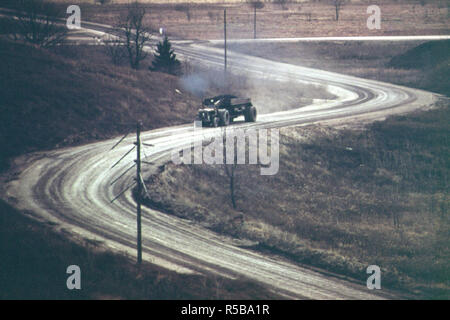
x=205, y=20
x=154, y=1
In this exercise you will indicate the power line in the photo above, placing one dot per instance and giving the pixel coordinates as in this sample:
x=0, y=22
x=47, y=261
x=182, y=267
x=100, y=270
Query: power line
x=122, y=192
x=117, y=179
x=128, y=152
x=120, y=140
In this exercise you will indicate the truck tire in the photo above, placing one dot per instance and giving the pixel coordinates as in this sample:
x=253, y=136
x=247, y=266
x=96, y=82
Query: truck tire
x=250, y=114
x=224, y=117
x=215, y=122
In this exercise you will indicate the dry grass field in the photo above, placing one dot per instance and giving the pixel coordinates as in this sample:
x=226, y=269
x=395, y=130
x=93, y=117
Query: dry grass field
x=342, y=200
x=72, y=95
x=292, y=19
x=34, y=261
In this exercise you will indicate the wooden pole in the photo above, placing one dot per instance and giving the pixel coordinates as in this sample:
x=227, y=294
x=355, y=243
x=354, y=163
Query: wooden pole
x=254, y=23
x=139, y=191
x=225, y=38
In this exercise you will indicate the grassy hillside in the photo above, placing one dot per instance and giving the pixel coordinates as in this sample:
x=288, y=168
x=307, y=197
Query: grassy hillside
x=424, y=56
x=34, y=260
x=74, y=95
x=342, y=200
x=432, y=60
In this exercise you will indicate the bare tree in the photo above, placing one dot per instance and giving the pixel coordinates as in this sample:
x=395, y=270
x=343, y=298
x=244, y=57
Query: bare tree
x=338, y=4
x=38, y=23
x=230, y=171
x=137, y=33
x=186, y=8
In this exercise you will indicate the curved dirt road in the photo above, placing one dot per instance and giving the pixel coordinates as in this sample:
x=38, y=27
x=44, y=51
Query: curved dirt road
x=72, y=186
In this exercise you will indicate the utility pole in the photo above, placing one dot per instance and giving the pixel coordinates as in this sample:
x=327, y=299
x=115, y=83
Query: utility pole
x=138, y=180
x=254, y=22
x=139, y=191
x=225, y=37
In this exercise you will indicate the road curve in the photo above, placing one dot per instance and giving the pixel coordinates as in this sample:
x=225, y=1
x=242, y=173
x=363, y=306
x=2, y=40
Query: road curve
x=72, y=186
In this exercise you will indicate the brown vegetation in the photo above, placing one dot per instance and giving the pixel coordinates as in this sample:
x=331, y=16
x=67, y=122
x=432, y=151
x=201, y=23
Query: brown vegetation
x=34, y=259
x=342, y=200
x=286, y=19
x=70, y=95
x=37, y=23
